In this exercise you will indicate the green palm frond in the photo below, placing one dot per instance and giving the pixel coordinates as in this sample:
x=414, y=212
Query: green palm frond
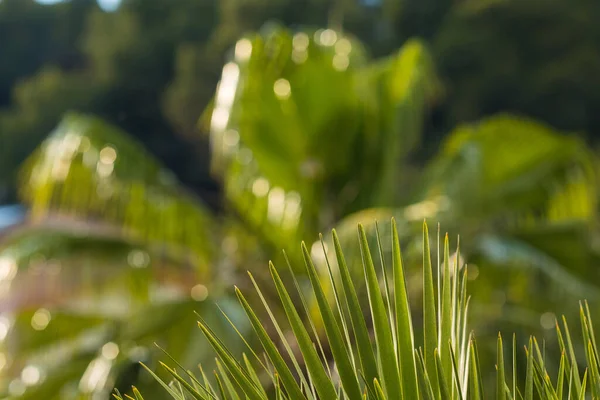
x=89, y=171
x=47, y=267
x=299, y=119
x=111, y=237
x=518, y=169
x=271, y=131
x=406, y=85
x=524, y=197
x=443, y=364
x=81, y=297
x=94, y=342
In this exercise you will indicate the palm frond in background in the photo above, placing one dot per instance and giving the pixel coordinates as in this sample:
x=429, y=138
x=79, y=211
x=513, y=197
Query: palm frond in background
x=110, y=238
x=87, y=171
x=305, y=129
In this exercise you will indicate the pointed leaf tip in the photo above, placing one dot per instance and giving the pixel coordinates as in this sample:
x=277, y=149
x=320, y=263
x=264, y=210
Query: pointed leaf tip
x=303, y=247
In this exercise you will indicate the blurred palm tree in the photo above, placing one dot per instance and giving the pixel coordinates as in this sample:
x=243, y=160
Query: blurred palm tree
x=306, y=134
x=115, y=254
x=523, y=194
x=110, y=238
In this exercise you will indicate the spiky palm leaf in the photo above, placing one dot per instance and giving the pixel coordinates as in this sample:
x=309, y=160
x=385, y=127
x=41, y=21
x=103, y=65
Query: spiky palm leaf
x=394, y=363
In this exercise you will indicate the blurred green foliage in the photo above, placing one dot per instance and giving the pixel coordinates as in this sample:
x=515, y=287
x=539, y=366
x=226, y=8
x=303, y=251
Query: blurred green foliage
x=304, y=130
x=98, y=198
x=150, y=66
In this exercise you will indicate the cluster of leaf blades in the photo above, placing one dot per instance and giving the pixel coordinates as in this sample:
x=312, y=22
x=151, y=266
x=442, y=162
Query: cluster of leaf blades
x=389, y=365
